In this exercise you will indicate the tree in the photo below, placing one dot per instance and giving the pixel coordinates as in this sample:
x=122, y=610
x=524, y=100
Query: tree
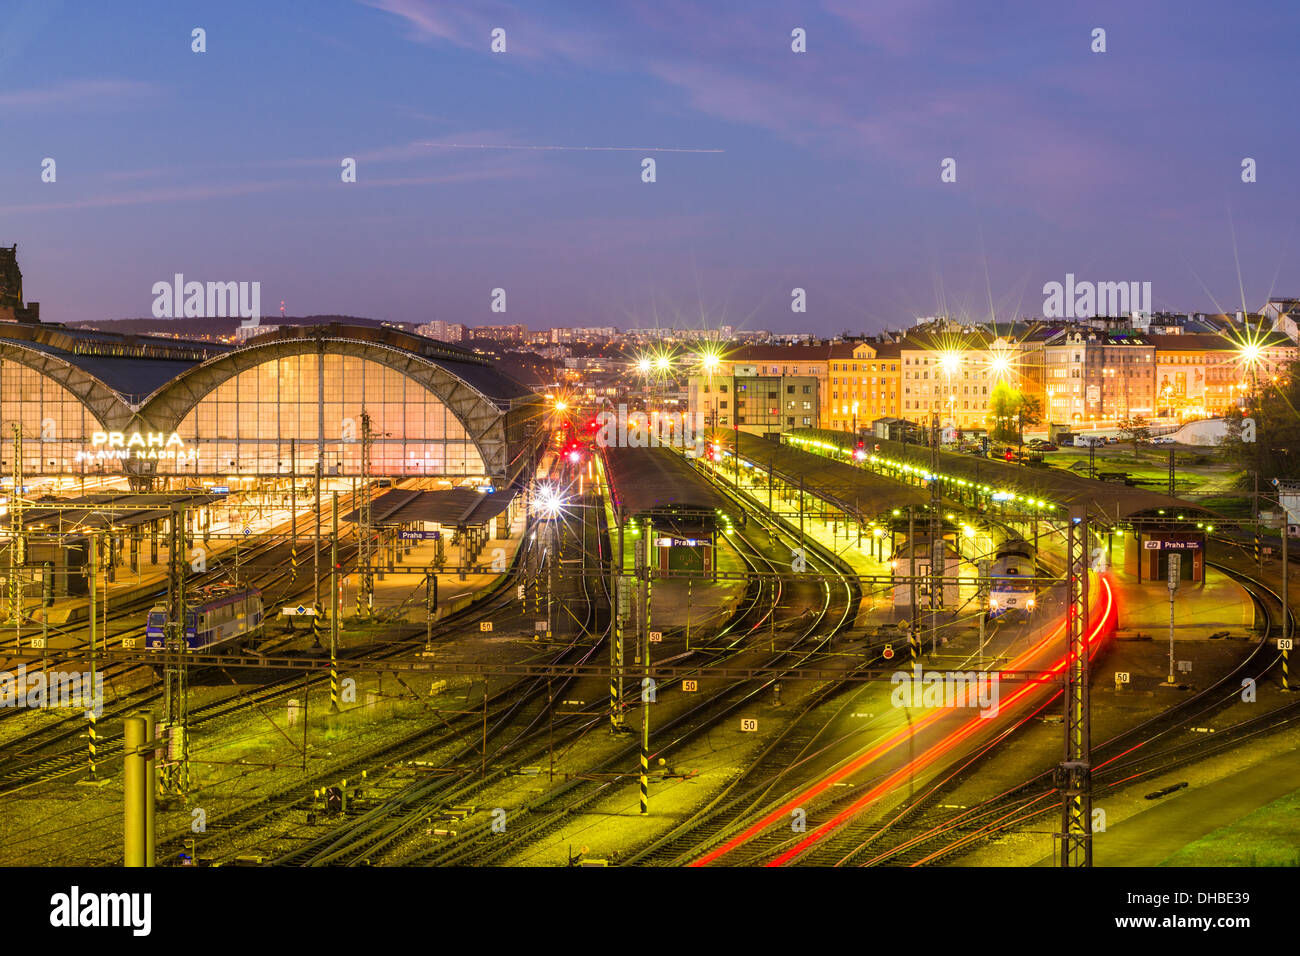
x=1276, y=430
x=1134, y=429
x=1003, y=404
x=1010, y=411
x=1029, y=411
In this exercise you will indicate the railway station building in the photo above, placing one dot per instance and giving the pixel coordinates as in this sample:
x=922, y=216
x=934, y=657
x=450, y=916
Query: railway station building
x=87, y=417
x=162, y=413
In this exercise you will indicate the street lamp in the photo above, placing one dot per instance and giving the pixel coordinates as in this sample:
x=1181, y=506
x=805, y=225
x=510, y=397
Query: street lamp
x=550, y=503
x=710, y=363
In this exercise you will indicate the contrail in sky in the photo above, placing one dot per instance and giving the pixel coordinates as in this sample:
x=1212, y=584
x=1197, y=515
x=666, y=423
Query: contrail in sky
x=607, y=149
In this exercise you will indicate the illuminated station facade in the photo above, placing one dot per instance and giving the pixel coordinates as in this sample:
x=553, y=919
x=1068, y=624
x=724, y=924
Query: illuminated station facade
x=97, y=413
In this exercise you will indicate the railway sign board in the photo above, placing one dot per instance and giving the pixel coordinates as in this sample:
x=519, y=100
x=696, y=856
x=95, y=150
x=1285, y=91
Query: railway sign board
x=420, y=535
x=297, y=611
x=485, y=626
x=519, y=592
x=220, y=489
x=690, y=685
x=1284, y=643
x=1175, y=566
x=656, y=637
x=888, y=652
x=539, y=625
x=748, y=724
x=1121, y=677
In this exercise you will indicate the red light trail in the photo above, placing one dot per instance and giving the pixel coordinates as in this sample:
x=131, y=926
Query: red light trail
x=930, y=756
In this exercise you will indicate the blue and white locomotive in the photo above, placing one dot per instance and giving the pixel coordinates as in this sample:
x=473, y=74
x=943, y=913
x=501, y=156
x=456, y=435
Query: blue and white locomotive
x=214, y=616
x=1012, y=592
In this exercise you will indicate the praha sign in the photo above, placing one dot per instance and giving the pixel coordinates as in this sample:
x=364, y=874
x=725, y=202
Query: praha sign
x=119, y=446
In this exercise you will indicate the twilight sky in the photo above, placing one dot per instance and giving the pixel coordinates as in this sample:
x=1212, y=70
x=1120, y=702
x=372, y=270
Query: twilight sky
x=817, y=169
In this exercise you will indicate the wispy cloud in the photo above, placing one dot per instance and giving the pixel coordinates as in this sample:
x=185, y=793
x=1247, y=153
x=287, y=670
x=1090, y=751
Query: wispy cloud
x=94, y=93
x=505, y=168
x=470, y=27
x=139, y=197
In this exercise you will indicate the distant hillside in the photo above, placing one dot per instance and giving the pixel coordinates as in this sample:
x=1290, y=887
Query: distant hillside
x=208, y=327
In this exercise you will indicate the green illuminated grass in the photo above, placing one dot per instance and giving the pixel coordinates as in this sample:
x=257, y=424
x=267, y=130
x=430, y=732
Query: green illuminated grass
x=1270, y=836
x=1199, y=479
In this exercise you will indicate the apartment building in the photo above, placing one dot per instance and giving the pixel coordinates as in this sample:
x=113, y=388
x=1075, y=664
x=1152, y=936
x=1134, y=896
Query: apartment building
x=1096, y=377
x=951, y=372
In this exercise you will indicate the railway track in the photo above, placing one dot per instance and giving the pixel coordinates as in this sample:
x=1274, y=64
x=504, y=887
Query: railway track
x=923, y=833
x=539, y=818
x=515, y=723
x=29, y=766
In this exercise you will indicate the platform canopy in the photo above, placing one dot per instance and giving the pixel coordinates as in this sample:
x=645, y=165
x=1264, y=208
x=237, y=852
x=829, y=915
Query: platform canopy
x=662, y=485
x=850, y=487
x=451, y=507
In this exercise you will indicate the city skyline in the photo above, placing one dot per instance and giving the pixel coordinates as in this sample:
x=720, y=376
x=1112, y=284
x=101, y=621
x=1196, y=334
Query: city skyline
x=1115, y=166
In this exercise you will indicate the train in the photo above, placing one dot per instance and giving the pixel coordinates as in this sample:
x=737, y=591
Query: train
x=1013, y=592
x=220, y=615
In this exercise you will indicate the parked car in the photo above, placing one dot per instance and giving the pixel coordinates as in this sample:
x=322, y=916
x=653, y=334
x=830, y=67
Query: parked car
x=1038, y=444
x=1162, y=440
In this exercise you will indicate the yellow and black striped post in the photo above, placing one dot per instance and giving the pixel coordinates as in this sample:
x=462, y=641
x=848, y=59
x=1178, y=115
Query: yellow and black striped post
x=643, y=553
x=293, y=538
x=92, y=569
x=1286, y=673
x=335, y=606
x=1258, y=552
x=645, y=776
x=315, y=625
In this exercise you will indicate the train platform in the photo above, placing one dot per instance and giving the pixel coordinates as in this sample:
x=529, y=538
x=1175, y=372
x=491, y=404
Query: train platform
x=821, y=518
x=227, y=540
x=1220, y=607
x=691, y=603
x=403, y=590
x=658, y=488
